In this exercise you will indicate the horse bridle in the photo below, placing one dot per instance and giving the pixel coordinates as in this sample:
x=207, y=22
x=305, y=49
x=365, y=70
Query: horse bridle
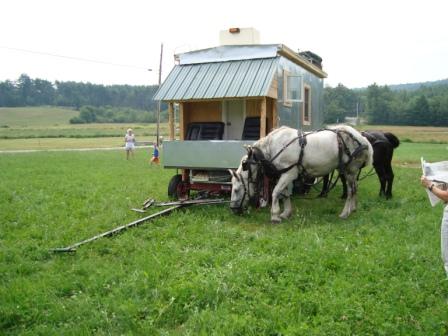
x=246, y=165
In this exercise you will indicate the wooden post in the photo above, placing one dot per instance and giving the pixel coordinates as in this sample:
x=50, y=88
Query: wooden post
x=274, y=114
x=181, y=121
x=263, y=118
x=171, y=120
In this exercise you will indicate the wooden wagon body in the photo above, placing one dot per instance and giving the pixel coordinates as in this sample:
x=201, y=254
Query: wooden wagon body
x=233, y=95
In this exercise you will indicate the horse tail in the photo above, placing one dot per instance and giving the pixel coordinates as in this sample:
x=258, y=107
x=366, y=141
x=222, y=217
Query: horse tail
x=394, y=141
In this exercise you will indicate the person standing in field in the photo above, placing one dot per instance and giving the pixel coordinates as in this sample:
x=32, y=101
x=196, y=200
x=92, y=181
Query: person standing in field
x=129, y=143
x=440, y=190
x=155, y=155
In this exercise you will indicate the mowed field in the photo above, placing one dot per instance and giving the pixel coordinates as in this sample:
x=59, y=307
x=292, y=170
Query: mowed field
x=42, y=128
x=205, y=271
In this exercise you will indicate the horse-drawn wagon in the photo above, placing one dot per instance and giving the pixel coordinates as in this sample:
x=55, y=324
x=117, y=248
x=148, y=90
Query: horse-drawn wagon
x=229, y=96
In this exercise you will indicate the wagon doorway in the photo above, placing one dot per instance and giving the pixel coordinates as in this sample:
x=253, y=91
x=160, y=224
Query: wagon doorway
x=233, y=117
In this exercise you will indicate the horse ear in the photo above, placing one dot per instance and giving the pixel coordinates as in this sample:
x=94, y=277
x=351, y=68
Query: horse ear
x=248, y=149
x=232, y=172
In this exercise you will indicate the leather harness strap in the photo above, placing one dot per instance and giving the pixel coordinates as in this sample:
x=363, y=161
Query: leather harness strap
x=272, y=171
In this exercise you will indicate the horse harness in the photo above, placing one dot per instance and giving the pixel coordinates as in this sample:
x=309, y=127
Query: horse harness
x=270, y=170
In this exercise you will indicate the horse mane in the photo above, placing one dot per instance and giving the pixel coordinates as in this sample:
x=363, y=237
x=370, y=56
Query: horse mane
x=264, y=143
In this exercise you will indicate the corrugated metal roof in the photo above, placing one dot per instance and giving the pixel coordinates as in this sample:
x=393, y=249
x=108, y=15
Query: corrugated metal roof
x=232, y=79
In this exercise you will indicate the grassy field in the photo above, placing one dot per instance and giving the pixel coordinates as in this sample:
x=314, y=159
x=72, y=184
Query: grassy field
x=35, y=116
x=414, y=133
x=65, y=143
x=49, y=128
x=204, y=271
x=80, y=131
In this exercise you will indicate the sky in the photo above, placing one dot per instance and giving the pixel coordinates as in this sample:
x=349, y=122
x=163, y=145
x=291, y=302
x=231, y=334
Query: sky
x=116, y=42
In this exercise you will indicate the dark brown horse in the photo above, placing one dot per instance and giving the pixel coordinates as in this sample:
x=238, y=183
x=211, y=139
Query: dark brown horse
x=383, y=144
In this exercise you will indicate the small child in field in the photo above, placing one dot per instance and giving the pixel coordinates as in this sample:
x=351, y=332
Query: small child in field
x=155, y=155
x=129, y=143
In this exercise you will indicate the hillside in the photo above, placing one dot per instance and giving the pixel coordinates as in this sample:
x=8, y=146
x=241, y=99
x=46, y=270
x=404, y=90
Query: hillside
x=416, y=86
x=35, y=116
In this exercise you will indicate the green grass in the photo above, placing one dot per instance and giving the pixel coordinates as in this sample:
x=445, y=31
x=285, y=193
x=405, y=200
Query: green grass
x=35, y=116
x=426, y=134
x=65, y=143
x=81, y=131
x=203, y=270
x=49, y=128
x=410, y=153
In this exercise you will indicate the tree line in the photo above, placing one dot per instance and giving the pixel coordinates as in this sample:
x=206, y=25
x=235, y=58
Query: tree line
x=423, y=106
x=37, y=92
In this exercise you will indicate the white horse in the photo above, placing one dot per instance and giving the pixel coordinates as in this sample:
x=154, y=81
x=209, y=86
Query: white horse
x=286, y=152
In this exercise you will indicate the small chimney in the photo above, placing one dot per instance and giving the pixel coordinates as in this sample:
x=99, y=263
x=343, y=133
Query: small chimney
x=239, y=36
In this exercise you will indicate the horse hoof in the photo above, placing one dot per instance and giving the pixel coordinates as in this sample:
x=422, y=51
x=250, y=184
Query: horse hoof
x=343, y=216
x=276, y=220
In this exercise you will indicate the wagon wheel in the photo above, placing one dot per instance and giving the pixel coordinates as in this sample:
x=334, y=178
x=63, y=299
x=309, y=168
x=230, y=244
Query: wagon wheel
x=177, y=189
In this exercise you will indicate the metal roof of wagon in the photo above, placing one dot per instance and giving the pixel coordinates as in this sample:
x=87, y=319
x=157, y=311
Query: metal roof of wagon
x=231, y=79
x=227, y=72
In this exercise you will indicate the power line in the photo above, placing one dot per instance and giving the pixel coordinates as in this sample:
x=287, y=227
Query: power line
x=75, y=58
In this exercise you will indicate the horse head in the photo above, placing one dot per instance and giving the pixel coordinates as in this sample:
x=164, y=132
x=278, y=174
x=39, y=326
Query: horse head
x=245, y=181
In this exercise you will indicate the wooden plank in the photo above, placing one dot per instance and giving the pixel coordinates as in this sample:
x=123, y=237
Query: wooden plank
x=206, y=111
x=253, y=107
x=274, y=114
x=263, y=118
x=273, y=90
x=171, y=120
x=181, y=122
x=292, y=55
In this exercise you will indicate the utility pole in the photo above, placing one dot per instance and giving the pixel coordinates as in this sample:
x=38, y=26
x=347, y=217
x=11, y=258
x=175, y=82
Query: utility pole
x=159, y=103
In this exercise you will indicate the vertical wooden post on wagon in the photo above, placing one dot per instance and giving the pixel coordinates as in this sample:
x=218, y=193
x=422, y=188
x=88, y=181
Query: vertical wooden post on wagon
x=263, y=117
x=171, y=120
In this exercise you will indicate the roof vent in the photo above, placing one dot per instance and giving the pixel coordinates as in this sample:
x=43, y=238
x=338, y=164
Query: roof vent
x=239, y=36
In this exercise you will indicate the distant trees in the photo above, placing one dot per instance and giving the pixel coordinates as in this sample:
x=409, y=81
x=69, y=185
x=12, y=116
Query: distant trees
x=339, y=102
x=35, y=92
x=97, y=103
x=107, y=114
x=427, y=105
x=407, y=105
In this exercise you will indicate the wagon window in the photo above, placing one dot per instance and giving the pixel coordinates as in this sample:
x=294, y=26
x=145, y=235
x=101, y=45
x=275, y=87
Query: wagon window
x=292, y=89
x=306, y=105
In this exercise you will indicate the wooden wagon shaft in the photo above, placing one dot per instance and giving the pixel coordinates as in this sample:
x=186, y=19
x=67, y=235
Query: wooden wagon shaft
x=151, y=202
x=192, y=202
x=72, y=248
